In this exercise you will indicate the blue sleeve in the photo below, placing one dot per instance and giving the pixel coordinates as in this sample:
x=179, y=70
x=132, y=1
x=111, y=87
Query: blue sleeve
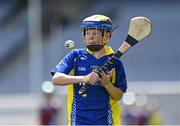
x=120, y=81
x=66, y=64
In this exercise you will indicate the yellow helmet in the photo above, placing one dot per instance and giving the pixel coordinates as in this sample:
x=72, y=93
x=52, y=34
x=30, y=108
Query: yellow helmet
x=97, y=21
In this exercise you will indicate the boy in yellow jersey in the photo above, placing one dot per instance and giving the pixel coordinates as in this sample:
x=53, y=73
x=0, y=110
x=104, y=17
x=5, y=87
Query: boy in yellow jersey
x=100, y=106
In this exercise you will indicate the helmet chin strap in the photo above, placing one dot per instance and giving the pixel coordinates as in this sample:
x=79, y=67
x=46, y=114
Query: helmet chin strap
x=95, y=48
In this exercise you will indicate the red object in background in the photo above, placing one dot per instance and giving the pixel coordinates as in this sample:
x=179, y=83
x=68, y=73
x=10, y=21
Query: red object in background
x=48, y=115
x=45, y=114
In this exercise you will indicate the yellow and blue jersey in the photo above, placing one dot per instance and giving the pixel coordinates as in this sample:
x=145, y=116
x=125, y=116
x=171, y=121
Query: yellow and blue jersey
x=98, y=108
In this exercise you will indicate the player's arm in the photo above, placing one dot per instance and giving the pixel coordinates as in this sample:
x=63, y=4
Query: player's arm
x=64, y=79
x=113, y=91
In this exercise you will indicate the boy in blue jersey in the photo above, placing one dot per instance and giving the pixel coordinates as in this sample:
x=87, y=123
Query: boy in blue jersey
x=100, y=107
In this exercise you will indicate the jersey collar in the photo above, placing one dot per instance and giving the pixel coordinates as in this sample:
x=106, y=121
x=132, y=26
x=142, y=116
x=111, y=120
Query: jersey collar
x=108, y=50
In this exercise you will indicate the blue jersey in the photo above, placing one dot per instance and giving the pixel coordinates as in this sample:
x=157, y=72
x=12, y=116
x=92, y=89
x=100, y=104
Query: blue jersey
x=98, y=108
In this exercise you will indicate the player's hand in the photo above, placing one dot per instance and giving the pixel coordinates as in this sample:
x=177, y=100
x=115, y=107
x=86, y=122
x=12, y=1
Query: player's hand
x=106, y=77
x=91, y=78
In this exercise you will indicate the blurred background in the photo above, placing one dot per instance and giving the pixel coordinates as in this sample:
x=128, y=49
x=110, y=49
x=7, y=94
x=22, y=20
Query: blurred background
x=32, y=36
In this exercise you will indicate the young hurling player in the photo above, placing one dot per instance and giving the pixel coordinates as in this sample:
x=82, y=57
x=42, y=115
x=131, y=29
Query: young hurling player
x=100, y=107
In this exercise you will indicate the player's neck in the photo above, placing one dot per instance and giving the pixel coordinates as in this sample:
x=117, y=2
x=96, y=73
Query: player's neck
x=100, y=53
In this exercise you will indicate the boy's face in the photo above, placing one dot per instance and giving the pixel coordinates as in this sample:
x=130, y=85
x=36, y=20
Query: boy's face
x=93, y=37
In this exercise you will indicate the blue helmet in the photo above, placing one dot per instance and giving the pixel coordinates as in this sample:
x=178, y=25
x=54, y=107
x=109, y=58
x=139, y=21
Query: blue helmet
x=97, y=21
